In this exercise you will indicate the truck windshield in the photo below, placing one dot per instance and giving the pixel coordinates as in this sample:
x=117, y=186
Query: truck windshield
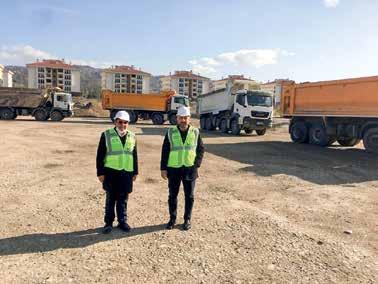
x=260, y=100
x=182, y=100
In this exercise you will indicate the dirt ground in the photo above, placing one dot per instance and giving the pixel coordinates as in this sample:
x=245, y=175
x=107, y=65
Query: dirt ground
x=266, y=211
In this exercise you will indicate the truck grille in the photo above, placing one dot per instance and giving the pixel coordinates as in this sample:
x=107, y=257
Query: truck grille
x=260, y=114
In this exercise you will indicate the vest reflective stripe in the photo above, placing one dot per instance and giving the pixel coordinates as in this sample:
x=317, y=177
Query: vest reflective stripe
x=182, y=154
x=119, y=157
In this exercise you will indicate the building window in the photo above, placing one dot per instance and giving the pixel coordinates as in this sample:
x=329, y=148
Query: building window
x=67, y=71
x=139, y=77
x=181, y=80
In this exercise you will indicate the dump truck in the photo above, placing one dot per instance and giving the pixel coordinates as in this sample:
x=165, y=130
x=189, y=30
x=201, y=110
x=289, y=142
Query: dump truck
x=159, y=107
x=322, y=113
x=233, y=110
x=41, y=104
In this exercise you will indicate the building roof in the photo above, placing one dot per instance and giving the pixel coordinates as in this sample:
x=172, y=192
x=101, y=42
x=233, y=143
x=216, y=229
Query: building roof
x=51, y=63
x=126, y=70
x=277, y=81
x=187, y=74
x=235, y=77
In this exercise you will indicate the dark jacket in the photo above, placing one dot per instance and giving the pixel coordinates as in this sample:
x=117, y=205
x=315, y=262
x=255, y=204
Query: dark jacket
x=186, y=173
x=115, y=179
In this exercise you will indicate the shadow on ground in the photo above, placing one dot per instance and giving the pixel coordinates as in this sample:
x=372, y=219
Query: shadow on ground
x=35, y=243
x=324, y=166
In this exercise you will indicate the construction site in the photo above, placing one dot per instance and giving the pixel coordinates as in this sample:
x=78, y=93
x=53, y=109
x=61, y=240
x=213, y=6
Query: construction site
x=266, y=210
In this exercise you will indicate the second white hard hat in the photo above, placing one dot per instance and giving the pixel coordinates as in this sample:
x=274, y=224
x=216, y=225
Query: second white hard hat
x=183, y=111
x=123, y=115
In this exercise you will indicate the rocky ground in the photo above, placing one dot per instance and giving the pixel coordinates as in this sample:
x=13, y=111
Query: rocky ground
x=266, y=211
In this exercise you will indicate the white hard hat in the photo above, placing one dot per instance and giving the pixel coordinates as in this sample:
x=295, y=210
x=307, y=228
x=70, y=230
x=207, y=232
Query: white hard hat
x=183, y=111
x=123, y=115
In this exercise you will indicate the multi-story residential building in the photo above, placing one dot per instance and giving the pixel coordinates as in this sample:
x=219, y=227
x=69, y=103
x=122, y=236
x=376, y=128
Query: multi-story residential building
x=54, y=73
x=6, y=77
x=245, y=83
x=185, y=83
x=125, y=79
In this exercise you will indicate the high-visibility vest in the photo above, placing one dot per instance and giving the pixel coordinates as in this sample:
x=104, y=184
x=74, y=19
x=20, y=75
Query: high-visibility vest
x=182, y=154
x=118, y=156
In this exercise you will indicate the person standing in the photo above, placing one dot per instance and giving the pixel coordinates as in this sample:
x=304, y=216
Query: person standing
x=181, y=156
x=117, y=169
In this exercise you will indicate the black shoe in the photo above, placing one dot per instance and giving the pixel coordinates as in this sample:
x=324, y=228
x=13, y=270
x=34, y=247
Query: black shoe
x=107, y=229
x=124, y=227
x=170, y=224
x=186, y=226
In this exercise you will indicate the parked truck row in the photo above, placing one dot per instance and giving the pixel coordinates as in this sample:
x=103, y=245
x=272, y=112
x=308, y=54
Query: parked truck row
x=231, y=110
x=158, y=107
x=41, y=104
x=322, y=113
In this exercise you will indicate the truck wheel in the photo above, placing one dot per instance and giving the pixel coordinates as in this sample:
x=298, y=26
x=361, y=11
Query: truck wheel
x=7, y=114
x=318, y=135
x=133, y=116
x=203, y=123
x=56, y=115
x=248, y=131
x=235, y=127
x=371, y=140
x=223, y=126
x=349, y=142
x=209, y=124
x=173, y=119
x=40, y=115
x=299, y=132
x=260, y=132
x=157, y=118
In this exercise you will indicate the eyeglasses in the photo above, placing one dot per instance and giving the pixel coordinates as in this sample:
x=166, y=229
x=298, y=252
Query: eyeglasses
x=122, y=122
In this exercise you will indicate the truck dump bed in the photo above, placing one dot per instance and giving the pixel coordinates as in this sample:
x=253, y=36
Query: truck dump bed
x=21, y=97
x=147, y=102
x=356, y=97
x=215, y=101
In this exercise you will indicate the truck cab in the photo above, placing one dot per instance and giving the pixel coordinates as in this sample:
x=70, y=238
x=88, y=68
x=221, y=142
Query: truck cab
x=62, y=101
x=254, y=110
x=174, y=104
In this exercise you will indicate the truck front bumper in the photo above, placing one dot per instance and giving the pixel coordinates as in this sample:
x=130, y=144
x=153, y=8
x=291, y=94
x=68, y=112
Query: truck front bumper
x=255, y=123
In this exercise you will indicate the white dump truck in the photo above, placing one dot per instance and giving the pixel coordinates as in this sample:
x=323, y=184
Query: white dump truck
x=232, y=110
x=41, y=104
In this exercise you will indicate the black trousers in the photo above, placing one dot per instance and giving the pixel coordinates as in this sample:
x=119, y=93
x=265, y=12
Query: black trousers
x=117, y=189
x=174, y=187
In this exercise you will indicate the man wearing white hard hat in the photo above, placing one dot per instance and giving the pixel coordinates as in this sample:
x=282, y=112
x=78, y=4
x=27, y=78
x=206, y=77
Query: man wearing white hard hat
x=181, y=156
x=117, y=169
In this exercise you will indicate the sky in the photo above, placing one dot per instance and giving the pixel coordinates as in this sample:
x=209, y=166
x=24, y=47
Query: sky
x=302, y=40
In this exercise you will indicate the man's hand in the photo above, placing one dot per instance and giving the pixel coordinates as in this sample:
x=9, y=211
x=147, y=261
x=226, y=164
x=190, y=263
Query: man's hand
x=164, y=174
x=101, y=178
x=135, y=177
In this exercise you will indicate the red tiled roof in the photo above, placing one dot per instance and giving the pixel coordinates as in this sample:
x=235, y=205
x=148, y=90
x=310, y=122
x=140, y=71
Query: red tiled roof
x=125, y=69
x=51, y=63
x=187, y=74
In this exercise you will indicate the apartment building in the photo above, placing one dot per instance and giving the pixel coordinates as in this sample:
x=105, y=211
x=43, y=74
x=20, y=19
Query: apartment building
x=185, y=83
x=53, y=73
x=244, y=83
x=125, y=79
x=6, y=77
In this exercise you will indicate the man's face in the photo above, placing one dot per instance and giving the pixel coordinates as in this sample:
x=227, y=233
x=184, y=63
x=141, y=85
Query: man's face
x=121, y=124
x=183, y=121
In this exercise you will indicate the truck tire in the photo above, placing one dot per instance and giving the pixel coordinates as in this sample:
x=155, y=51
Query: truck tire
x=209, y=124
x=173, y=119
x=248, y=131
x=371, y=140
x=349, y=142
x=157, y=118
x=203, y=123
x=318, y=135
x=41, y=115
x=56, y=115
x=261, y=132
x=7, y=114
x=235, y=127
x=133, y=116
x=299, y=132
x=223, y=126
